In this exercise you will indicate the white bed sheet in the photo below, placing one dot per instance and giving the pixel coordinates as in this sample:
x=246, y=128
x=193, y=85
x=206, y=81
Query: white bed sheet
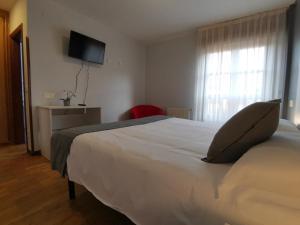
x=263, y=187
x=152, y=173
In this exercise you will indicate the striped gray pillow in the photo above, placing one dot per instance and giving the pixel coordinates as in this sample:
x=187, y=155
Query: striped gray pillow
x=252, y=125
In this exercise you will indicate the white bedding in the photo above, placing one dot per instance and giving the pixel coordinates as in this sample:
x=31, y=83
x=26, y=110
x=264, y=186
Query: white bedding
x=263, y=187
x=153, y=173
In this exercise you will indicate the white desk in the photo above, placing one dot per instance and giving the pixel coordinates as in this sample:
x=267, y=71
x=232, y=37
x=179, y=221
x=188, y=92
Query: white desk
x=55, y=118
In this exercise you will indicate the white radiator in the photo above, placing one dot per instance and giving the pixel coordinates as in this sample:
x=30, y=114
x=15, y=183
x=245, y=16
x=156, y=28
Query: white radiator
x=183, y=113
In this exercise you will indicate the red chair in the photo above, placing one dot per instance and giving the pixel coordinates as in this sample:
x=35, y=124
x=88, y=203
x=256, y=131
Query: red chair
x=141, y=111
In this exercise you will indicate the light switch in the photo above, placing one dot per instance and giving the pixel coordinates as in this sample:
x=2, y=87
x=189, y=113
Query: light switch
x=291, y=103
x=49, y=95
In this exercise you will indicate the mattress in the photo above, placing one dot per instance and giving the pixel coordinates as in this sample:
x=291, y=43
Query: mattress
x=61, y=141
x=153, y=174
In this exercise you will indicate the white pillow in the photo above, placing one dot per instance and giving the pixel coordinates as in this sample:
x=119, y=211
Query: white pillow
x=264, y=185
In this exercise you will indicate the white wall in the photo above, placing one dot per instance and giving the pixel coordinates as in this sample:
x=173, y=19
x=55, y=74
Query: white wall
x=18, y=15
x=116, y=86
x=171, y=66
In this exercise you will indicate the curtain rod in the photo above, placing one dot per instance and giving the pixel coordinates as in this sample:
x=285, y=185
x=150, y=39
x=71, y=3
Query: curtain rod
x=244, y=18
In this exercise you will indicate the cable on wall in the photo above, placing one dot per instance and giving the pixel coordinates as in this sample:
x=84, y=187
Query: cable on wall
x=77, y=76
x=87, y=84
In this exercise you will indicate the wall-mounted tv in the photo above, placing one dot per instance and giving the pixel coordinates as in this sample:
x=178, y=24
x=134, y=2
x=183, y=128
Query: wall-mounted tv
x=86, y=48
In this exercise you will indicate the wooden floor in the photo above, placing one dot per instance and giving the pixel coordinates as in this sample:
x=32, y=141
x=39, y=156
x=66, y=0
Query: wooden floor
x=32, y=194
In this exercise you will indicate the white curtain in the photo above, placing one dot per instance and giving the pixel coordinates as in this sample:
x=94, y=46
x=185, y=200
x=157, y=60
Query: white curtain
x=240, y=62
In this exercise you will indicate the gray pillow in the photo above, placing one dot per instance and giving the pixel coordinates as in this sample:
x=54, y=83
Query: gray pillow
x=252, y=125
x=276, y=100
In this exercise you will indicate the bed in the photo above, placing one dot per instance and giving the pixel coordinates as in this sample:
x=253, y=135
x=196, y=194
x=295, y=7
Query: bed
x=151, y=171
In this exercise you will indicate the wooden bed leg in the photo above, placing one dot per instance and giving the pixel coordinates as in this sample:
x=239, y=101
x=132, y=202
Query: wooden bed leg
x=71, y=186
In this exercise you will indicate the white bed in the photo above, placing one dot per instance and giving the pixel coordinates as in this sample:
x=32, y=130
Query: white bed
x=153, y=174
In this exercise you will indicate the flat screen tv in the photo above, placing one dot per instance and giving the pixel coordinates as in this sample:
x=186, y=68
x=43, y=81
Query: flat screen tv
x=86, y=48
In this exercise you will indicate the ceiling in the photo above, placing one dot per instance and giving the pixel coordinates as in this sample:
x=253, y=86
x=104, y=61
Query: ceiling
x=6, y=4
x=151, y=20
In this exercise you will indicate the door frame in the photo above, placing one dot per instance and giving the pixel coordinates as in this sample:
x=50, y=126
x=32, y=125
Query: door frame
x=27, y=96
x=5, y=15
x=32, y=151
x=17, y=35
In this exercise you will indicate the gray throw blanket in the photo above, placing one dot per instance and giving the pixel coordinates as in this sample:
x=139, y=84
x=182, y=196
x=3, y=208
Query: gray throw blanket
x=61, y=141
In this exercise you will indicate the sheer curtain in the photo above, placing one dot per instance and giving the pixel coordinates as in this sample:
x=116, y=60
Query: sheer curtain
x=240, y=62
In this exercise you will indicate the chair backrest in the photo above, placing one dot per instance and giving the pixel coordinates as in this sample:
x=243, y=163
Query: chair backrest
x=141, y=111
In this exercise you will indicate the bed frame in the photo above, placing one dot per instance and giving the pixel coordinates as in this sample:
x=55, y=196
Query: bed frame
x=71, y=187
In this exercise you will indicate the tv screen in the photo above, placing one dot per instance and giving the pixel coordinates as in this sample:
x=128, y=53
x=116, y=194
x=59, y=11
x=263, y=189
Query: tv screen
x=86, y=48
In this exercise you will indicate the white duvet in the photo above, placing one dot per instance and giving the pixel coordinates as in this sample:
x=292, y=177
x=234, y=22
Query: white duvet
x=263, y=187
x=153, y=173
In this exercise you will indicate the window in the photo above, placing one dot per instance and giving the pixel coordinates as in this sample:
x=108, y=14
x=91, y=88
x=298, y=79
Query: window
x=234, y=79
x=239, y=63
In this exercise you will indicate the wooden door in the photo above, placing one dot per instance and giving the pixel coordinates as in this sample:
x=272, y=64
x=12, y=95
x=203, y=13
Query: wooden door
x=17, y=86
x=3, y=79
